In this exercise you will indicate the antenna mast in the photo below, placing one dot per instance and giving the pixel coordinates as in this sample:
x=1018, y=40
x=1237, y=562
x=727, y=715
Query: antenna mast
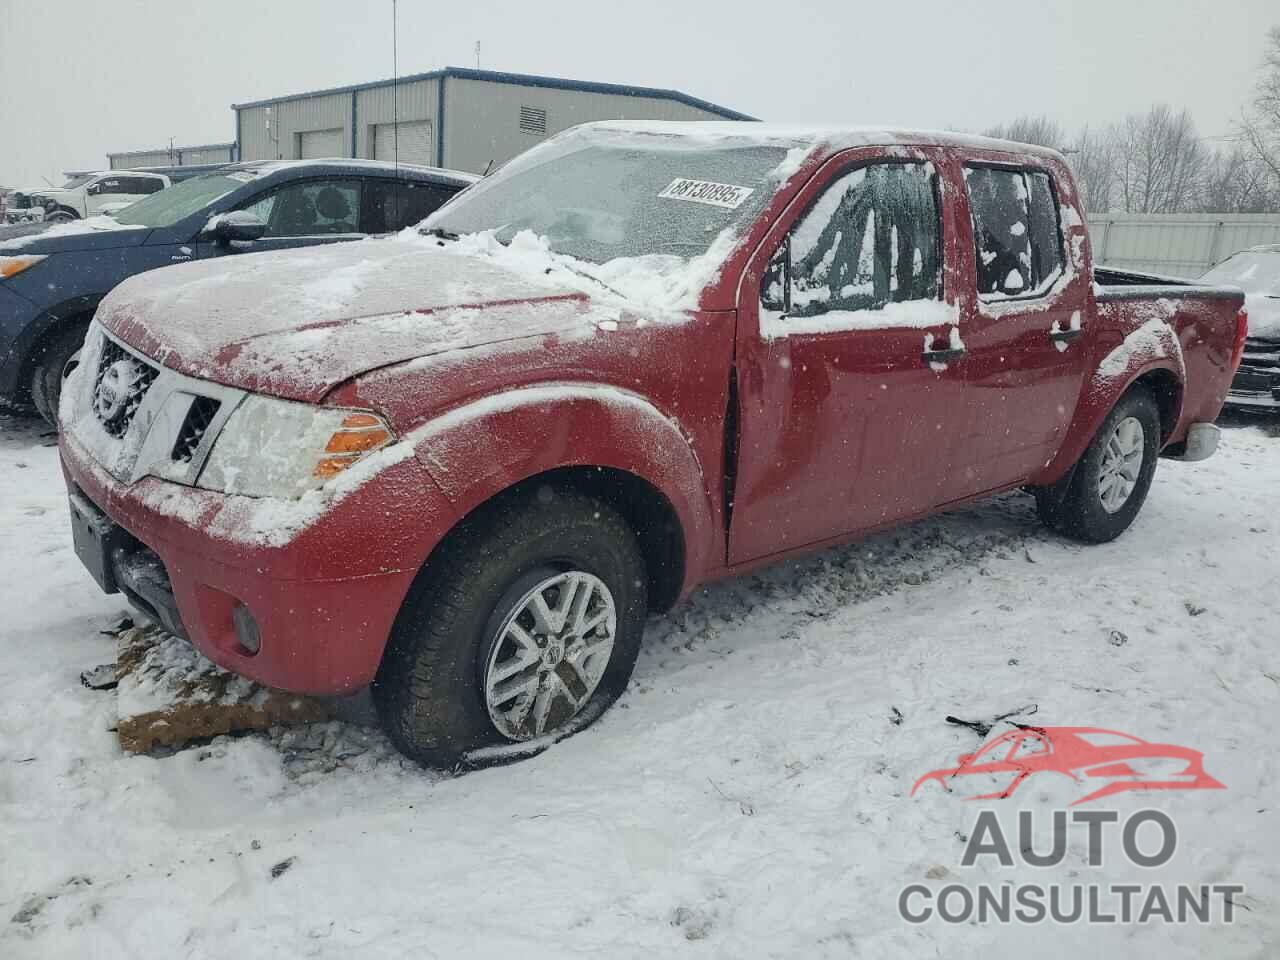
x=395, y=87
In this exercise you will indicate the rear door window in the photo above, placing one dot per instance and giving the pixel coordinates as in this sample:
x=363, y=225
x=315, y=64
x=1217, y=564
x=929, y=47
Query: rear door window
x=391, y=205
x=1017, y=239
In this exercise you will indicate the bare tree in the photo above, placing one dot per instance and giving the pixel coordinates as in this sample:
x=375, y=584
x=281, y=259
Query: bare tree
x=1093, y=163
x=1041, y=131
x=1160, y=161
x=1236, y=181
x=1260, y=128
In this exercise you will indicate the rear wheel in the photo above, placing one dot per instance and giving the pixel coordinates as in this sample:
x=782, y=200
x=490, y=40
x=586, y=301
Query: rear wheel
x=60, y=216
x=1111, y=480
x=55, y=361
x=526, y=626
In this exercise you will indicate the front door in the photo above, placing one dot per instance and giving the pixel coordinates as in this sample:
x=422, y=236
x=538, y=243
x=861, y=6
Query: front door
x=300, y=214
x=848, y=369
x=1025, y=355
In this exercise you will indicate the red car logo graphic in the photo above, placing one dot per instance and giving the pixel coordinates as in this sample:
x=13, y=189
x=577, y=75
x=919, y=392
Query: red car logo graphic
x=1085, y=754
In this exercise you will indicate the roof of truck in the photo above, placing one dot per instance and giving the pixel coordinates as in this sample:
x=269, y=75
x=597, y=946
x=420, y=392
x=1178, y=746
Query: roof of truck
x=832, y=136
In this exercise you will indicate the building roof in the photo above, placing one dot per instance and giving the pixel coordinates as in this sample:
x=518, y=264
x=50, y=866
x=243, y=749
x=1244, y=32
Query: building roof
x=519, y=79
x=175, y=149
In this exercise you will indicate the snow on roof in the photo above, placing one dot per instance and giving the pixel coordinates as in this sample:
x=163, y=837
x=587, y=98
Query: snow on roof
x=835, y=137
x=271, y=166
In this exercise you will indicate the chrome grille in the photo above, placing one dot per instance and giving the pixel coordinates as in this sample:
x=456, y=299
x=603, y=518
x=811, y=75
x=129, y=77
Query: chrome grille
x=121, y=383
x=194, y=427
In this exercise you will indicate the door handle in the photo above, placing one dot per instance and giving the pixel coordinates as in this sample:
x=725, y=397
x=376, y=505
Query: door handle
x=942, y=354
x=1066, y=336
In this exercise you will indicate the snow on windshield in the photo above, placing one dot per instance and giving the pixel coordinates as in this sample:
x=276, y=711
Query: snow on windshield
x=597, y=196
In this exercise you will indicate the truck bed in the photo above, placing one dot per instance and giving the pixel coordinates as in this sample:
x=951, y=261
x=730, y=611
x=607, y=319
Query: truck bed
x=1111, y=284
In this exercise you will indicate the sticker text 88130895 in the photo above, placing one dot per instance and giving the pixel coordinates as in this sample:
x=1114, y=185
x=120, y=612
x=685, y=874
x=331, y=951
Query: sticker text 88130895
x=705, y=191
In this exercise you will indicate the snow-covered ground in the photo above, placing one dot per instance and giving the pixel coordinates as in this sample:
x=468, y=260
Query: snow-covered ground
x=748, y=796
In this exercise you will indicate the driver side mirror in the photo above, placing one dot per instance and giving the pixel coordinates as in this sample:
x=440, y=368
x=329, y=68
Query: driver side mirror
x=238, y=226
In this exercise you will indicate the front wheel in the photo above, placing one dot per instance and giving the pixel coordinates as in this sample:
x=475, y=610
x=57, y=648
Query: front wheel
x=1113, y=476
x=60, y=216
x=525, y=627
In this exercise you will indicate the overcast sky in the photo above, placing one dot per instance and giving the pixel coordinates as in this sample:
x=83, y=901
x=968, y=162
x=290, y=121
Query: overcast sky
x=81, y=77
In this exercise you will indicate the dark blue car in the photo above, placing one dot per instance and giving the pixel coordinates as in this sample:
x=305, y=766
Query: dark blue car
x=52, y=279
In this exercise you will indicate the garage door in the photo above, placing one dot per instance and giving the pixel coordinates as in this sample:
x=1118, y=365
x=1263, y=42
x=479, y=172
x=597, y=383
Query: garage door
x=415, y=141
x=314, y=144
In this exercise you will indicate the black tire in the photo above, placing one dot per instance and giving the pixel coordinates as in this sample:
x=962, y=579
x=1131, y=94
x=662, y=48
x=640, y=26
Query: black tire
x=62, y=215
x=429, y=691
x=1075, y=509
x=50, y=367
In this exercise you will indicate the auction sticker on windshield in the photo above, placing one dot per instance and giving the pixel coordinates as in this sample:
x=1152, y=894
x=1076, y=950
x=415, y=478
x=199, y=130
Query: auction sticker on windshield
x=706, y=191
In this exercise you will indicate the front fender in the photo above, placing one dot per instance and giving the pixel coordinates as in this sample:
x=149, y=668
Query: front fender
x=485, y=446
x=27, y=332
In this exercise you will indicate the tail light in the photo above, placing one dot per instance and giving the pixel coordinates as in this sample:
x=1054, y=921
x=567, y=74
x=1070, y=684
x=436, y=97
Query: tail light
x=1242, y=331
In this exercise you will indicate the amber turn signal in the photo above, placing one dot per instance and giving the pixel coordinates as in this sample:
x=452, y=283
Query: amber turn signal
x=357, y=441
x=360, y=433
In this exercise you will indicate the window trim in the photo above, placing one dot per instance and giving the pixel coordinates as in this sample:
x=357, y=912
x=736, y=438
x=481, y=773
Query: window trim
x=1046, y=288
x=841, y=172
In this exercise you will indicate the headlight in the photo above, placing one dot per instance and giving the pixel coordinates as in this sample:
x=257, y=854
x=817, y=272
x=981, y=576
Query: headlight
x=277, y=448
x=12, y=266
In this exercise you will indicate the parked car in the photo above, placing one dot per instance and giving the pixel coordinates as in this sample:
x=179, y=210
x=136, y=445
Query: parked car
x=84, y=195
x=1257, y=272
x=51, y=282
x=463, y=467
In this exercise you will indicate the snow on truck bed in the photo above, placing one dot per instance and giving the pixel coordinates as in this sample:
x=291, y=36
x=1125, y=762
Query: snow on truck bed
x=748, y=795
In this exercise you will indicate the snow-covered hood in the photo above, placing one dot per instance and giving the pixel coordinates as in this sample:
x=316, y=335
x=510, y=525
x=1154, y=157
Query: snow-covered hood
x=95, y=233
x=298, y=323
x=1264, y=315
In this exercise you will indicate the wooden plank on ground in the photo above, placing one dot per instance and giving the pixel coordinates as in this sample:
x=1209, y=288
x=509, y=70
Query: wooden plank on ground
x=168, y=694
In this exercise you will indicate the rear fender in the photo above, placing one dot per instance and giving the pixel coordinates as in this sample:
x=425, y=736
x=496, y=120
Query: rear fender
x=487, y=445
x=1100, y=395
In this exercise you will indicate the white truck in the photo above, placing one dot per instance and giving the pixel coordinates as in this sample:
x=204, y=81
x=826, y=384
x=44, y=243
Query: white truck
x=83, y=195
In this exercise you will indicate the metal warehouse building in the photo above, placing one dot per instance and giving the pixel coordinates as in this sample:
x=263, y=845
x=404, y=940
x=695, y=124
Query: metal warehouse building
x=459, y=118
x=172, y=156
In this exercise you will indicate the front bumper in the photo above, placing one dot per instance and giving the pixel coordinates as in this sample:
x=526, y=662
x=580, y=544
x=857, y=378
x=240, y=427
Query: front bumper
x=324, y=600
x=1256, y=385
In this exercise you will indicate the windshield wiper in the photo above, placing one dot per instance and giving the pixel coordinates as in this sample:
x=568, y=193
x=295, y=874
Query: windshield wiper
x=439, y=233
x=567, y=264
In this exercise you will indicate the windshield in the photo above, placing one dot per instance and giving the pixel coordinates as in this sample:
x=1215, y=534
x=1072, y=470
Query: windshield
x=175, y=203
x=1253, y=272
x=597, y=197
x=73, y=182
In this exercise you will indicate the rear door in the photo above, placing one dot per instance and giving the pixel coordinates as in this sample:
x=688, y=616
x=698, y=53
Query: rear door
x=391, y=205
x=843, y=416
x=1024, y=335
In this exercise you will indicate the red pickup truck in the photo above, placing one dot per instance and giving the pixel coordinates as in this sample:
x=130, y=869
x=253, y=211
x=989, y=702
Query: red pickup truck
x=464, y=463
